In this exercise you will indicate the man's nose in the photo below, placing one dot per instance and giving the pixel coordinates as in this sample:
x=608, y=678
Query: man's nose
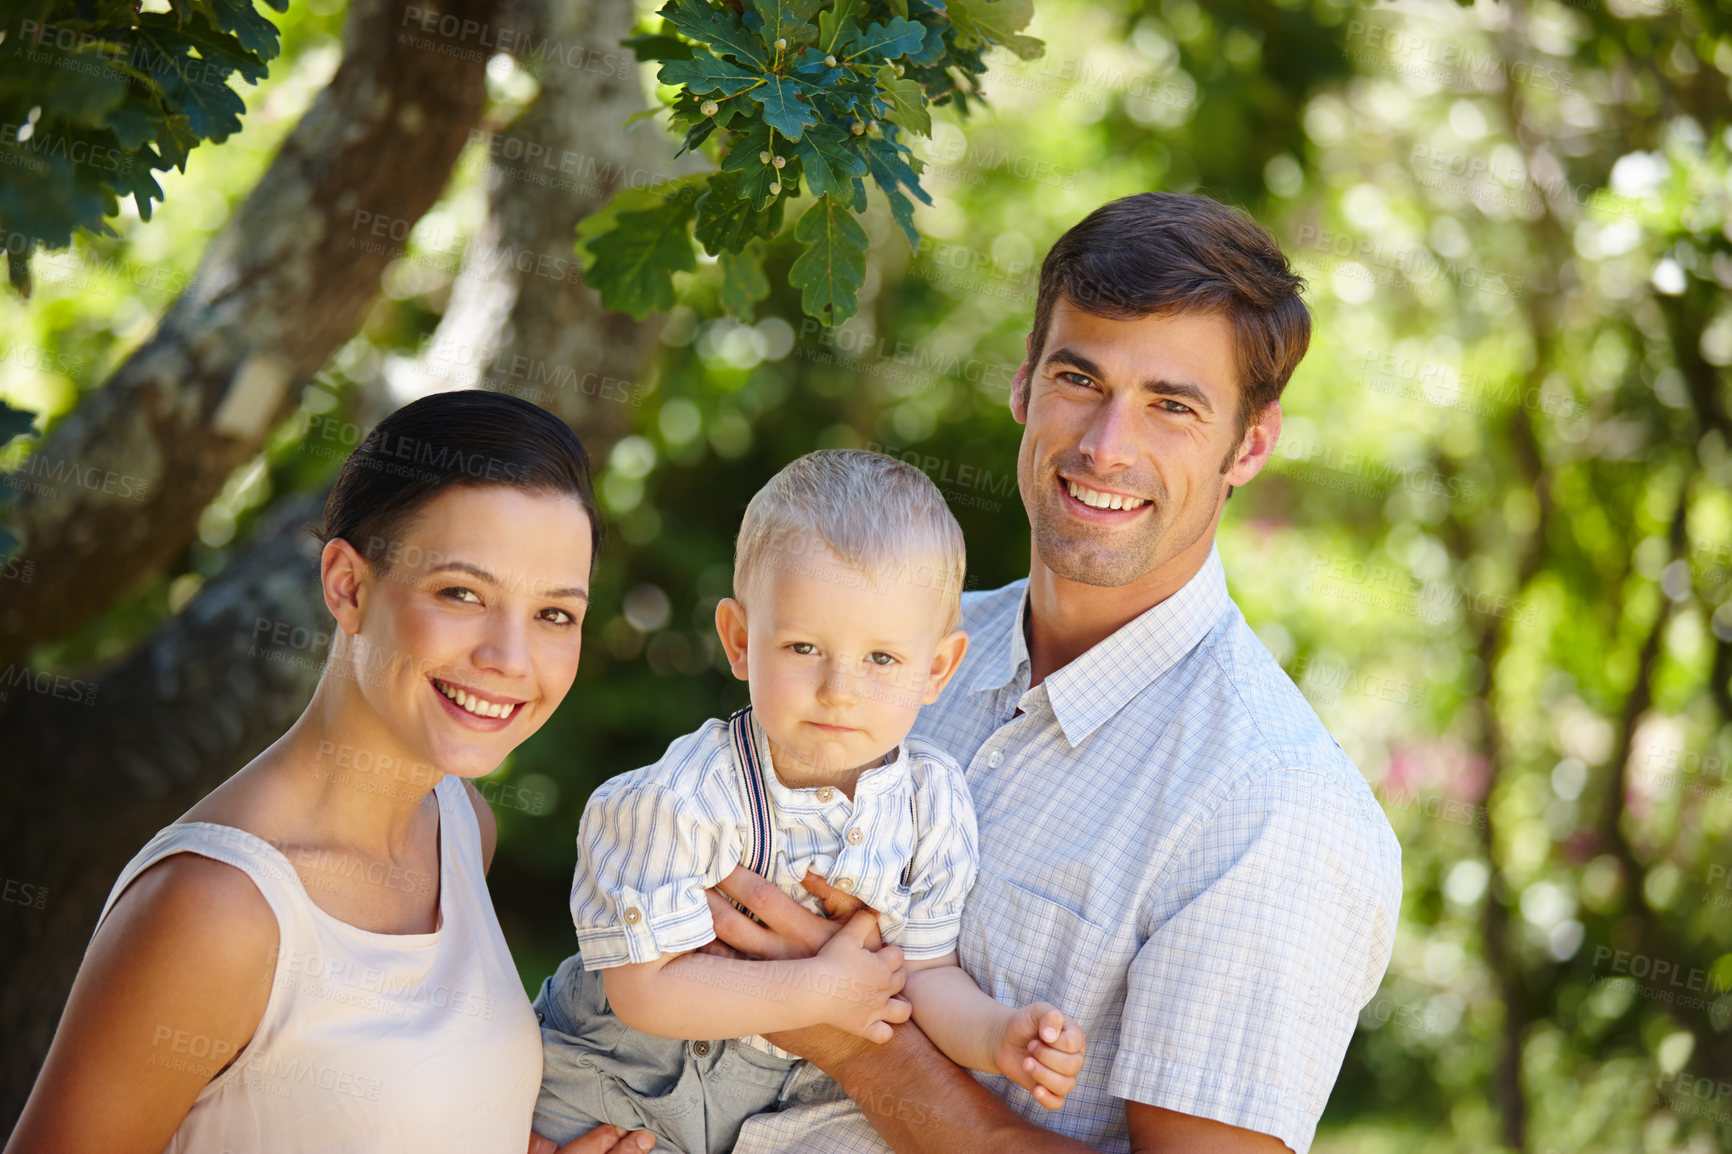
x=1110, y=441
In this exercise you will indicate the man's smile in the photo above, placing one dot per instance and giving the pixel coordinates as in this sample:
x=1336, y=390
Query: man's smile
x=1098, y=505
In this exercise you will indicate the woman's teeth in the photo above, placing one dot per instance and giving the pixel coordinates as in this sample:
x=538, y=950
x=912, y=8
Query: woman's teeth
x=1099, y=500
x=474, y=704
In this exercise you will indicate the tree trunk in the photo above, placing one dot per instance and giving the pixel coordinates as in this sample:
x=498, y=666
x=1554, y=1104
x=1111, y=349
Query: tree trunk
x=278, y=291
x=226, y=677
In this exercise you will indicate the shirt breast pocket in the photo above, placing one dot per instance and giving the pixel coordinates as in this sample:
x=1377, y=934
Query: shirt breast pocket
x=1021, y=947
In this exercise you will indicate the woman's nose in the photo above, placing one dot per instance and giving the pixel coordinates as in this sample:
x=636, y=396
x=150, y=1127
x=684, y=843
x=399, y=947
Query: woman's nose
x=505, y=648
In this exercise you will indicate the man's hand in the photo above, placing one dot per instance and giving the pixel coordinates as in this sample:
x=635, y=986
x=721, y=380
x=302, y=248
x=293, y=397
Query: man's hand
x=601, y=1140
x=865, y=981
x=1041, y=1052
x=789, y=930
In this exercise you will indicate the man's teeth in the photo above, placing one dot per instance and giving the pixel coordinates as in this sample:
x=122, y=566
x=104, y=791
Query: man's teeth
x=1099, y=500
x=472, y=703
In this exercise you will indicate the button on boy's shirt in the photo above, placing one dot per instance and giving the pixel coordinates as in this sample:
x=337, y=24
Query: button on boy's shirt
x=653, y=840
x=1176, y=853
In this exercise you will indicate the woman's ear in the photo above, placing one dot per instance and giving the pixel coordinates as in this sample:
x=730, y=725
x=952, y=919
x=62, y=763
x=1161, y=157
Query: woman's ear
x=343, y=574
x=731, y=628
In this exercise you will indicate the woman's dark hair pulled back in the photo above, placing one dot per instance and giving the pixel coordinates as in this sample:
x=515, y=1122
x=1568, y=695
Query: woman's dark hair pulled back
x=466, y=437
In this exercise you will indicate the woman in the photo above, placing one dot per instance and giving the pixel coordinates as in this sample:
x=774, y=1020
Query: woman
x=309, y=959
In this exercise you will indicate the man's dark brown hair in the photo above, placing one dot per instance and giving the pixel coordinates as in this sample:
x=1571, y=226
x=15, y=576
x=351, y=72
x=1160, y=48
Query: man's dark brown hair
x=1164, y=252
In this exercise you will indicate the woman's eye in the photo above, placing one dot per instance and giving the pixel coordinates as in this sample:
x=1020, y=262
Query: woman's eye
x=804, y=648
x=881, y=659
x=459, y=593
x=561, y=617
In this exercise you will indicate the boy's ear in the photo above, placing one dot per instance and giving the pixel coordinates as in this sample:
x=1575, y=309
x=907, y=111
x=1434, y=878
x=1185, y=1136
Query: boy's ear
x=945, y=661
x=731, y=628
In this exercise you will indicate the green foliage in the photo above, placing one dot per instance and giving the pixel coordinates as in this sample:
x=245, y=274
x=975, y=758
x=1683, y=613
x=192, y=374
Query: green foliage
x=775, y=98
x=96, y=95
x=14, y=422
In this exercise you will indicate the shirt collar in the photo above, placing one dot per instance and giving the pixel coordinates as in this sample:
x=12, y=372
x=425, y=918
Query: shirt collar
x=876, y=780
x=1098, y=683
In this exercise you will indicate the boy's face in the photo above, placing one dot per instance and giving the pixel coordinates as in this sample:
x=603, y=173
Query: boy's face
x=839, y=667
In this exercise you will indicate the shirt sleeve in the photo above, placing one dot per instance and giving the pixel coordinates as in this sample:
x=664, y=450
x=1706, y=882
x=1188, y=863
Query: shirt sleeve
x=1270, y=935
x=946, y=859
x=645, y=855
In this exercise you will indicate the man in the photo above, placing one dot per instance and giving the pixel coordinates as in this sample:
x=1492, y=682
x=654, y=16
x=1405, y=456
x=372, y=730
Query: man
x=1173, y=849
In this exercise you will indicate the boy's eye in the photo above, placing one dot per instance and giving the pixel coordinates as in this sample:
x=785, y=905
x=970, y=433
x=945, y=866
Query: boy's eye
x=804, y=648
x=460, y=593
x=881, y=659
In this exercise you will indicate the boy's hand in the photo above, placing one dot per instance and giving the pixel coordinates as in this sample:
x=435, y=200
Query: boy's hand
x=862, y=982
x=1041, y=1052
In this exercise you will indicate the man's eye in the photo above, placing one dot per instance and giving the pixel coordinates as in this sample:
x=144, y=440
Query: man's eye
x=881, y=659
x=804, y=648
x=459, y=593
x=1077, y=379
x=1174, y=406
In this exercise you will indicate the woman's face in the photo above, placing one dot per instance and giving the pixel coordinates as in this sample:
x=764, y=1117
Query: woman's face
x=470, y=641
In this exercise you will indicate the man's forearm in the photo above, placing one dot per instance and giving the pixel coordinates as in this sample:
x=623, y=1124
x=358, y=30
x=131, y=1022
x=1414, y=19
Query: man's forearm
x=921, y=1102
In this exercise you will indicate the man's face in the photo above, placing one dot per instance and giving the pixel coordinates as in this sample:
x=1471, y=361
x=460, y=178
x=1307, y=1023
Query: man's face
x=1138, y=414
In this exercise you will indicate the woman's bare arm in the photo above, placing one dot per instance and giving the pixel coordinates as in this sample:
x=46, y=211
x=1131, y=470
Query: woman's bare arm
x=172, y=988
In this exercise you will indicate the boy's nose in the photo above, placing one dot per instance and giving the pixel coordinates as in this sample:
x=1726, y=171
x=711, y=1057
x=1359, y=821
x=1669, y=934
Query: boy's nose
x=838, y=682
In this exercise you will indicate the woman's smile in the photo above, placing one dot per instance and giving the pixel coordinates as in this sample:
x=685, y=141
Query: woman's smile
x=488, y=713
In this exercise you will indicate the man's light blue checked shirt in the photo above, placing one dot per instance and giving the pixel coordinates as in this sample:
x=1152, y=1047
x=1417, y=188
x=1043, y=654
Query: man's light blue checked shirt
x=1173, y=851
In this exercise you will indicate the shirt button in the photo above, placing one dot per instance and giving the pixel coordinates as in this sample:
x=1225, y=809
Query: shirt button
x=994, y=759
x=825, y=793
x=633, y=916
x=846, y=885
x=701, y=1049
x=856, y=836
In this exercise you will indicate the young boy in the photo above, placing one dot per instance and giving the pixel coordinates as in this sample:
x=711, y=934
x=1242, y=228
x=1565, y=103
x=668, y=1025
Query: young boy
x=848, y=573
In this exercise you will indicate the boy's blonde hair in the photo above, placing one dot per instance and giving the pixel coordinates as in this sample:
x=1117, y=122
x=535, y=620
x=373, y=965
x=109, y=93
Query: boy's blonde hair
x=879, y=515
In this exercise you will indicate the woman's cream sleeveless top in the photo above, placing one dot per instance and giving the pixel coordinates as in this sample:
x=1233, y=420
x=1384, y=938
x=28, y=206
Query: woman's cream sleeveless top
x=370, y=1043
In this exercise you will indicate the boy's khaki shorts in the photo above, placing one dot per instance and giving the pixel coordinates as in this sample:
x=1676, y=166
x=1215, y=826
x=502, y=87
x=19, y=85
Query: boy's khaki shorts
x=693, y=1096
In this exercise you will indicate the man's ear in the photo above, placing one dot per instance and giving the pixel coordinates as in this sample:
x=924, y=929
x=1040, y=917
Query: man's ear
x=945, y=662
x=343, y=577
x=1019, y=383
x=731, y=628
x=1257, y=445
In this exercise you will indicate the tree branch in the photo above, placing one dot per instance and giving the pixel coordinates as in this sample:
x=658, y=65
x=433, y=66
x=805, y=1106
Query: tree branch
x=281, y=287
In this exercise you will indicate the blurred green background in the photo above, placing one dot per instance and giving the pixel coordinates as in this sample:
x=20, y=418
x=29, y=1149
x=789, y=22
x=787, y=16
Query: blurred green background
x=1494, y=548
